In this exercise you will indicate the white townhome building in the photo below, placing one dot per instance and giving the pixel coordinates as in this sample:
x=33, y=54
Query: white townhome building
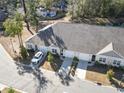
x=87, y=42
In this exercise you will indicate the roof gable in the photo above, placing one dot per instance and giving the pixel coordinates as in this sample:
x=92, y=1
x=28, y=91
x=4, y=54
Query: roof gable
x=109, y=51
x=108, y=48
x=111, y=54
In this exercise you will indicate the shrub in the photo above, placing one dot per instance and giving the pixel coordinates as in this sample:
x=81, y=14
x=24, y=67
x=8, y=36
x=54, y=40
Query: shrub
x=50, y=57
x=110, y=74
x=121, y=68
x=23, y=52
x=11, y=90
x=97, y=63
x=75, y=59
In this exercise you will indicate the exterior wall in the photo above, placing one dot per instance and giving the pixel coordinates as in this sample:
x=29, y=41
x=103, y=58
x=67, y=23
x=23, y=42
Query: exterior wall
x=68, y=53
x=110, y=60
x=30, y=46
x=82, y=56
x=46, y=49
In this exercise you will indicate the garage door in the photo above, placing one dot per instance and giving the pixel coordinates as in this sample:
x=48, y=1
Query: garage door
x=86, y=57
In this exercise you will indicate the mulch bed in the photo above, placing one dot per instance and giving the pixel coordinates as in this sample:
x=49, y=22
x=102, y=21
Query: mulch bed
x=54, y=66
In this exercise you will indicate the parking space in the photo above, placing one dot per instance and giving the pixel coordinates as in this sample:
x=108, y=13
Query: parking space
x=37, y=61
x=81, y=69
x=66, y=66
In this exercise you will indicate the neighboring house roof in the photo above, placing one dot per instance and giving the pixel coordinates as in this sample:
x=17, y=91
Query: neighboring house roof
x=81, y=37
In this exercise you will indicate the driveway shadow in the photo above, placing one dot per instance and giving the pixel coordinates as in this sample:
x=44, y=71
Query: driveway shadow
x=22, y=68
x=41, y=80
x=65, y=79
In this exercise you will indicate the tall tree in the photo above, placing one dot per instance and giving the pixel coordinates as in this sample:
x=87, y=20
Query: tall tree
x=32, y=15
x=98, y=8
x=47, y=3
x=25, y=11
x=14, y=27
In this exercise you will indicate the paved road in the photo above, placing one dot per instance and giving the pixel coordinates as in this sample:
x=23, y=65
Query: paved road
x=43, y=81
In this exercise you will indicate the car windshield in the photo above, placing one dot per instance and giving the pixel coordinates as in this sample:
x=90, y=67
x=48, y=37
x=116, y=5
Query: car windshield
x=37, y=56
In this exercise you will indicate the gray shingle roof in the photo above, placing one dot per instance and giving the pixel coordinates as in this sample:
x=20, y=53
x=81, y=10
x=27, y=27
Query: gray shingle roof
x=81, y=37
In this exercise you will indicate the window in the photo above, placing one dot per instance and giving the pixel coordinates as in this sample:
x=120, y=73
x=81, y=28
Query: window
x=54, y=50
x=118, y=63
x=29, y=46
x=61, y=53
x=115, y=62
x=102, y=59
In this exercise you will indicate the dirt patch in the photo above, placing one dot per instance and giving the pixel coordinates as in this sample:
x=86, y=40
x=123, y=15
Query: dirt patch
x=12, y=44
x=97, y=74
x=47, y=66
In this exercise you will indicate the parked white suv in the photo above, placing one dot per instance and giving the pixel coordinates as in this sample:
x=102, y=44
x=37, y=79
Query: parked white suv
x=37, y=58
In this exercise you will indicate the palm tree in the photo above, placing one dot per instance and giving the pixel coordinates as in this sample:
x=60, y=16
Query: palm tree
x=14, y=27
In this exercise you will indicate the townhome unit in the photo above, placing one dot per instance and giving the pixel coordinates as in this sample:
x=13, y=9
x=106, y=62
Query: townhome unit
x=88, y=42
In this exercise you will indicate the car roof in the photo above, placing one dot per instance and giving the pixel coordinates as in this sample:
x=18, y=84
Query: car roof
x=38, y=54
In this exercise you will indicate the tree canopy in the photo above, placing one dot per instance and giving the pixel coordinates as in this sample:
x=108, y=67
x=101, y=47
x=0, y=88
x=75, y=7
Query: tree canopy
x=14, y=27
x=98, y=8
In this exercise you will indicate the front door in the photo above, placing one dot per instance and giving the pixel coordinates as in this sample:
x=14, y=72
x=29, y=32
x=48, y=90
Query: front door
x=93, y=57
